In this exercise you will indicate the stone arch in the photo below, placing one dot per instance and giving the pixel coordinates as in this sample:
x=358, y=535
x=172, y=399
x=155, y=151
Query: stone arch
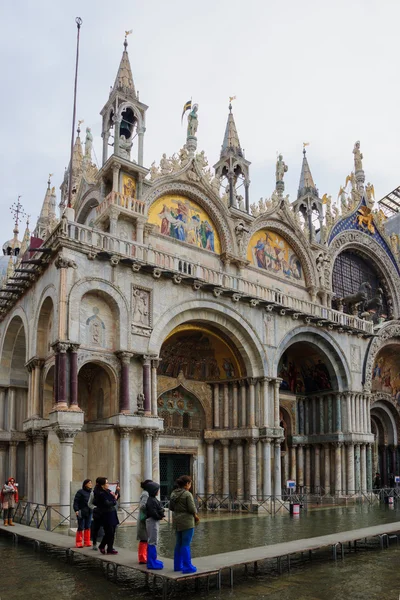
x=47, y=400
x=51, y=293
x=138, y=115
x=383, y=411
x=116, y=299
x=196, y=388
x=285, y=231
x=93, y=376
x=90, y=200
x=14, y=352
x=218, y=214
x=325, y=344
x=367, y=247
x=389, y=333
x=235, y=327
x=45, y=328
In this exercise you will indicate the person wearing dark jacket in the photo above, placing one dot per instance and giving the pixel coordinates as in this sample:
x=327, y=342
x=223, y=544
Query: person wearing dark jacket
x=106, y=502
x=155, y=513
x=84, y=514
x=184, y=520
x=141, y=533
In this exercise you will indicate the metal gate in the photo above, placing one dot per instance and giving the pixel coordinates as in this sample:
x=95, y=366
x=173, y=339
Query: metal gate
x=172, y=466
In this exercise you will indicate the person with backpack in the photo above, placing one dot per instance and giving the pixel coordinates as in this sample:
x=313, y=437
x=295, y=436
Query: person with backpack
x=184, y=520
x=105, y=502
x=155, y=513
x=141, y=524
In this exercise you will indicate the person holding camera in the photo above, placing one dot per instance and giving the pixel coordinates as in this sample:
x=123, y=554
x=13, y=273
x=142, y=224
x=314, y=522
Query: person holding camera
x=9, y=500
x=84, y=514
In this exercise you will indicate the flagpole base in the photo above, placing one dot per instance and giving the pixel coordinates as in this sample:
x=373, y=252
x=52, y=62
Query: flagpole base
x=191, y=144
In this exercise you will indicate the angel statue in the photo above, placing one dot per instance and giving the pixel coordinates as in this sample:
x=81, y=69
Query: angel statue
x=357, y=157
x=254, y=210
x=370, y=192
x=281, y=168
x=343, y=199
x=193, y=121
x=165, y=165
x=261, y=205
x=154, y=172
x=352, y=179
x=241, y=203
x=88, y=142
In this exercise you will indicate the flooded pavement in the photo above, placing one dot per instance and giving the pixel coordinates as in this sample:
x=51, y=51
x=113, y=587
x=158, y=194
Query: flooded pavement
x=367, y=575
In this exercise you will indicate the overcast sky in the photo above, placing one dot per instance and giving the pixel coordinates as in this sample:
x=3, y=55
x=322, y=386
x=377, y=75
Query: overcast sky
x=303, y=71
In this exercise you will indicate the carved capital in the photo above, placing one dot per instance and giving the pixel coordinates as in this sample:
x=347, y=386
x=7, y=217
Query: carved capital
x=252, y=380
x=33, y=363
x=74, y=347
x=66, y=435
x=124, y=432
x=124, y=357
x=146, y=359
x=225, y=443
x=148, y=433
x=209, y=442
x=38, y=436
x=62, y=262
x=252, y=441
x=60, y=347
x=237, y=442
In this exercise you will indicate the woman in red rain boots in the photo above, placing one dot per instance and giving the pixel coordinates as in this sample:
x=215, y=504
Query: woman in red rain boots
x=141, y=525
x=83, y=514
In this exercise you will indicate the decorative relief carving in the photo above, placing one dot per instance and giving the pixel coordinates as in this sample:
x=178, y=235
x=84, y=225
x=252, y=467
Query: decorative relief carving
x=96, y=330
x=355, y=358
x=62, y=262
x=141, y=311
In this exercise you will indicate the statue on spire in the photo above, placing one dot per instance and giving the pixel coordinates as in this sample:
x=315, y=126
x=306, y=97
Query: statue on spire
x=281, y=168
x=193, y=121
x=88, y=143
x=357, y=157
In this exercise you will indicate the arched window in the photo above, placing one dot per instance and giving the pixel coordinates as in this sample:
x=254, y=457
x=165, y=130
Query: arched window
x=186, y=421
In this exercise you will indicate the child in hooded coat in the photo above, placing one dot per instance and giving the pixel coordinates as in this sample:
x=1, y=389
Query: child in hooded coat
x=155, y=513
x=141, y=525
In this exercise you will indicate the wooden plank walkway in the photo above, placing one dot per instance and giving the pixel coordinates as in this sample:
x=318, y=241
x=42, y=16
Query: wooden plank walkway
x=208, y=566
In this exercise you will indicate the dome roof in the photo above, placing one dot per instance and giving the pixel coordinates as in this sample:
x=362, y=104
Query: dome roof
x=12, y=244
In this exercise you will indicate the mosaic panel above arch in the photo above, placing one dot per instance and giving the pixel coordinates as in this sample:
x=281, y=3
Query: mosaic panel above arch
x=180, y=409
x=269, y=251
x=386, y=372
x=182, y=219
x=200, y=353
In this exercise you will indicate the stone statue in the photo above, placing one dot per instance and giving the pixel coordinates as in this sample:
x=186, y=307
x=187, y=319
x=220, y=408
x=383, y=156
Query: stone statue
x=201, y=160
x=274, y=197
x=174, y=162
x=165, y=165
x=343, y=199
x=240, y=202
x=394, y=242
x=140, y=402
x=154, y=172
x=141, y=310
x=370, y=192
x=254, y=210
x=216, y=184
x=357, y=157
x=193, y=122
x=281, y=168
x=124, y=147
x=261, y=205
x=88, y=143
x=183, y=156
x=240, y=231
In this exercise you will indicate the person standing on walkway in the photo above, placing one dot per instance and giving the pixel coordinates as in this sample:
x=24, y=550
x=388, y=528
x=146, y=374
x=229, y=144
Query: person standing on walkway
x=141, y=524
x=155, y=513
x=106, y=503
x=9, y=500
x=184, y=520
x=83, y=514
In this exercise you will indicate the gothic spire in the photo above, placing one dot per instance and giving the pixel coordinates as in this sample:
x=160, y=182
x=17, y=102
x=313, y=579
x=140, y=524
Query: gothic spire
x=306, y=185
x=231, y=142
x=124, y=79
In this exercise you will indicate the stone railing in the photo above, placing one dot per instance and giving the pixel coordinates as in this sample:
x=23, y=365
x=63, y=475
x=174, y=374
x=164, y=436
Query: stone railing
x=238, y=287
x=125, y=202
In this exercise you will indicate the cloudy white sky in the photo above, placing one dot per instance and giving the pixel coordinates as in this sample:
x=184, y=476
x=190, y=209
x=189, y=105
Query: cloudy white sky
x=312, y=70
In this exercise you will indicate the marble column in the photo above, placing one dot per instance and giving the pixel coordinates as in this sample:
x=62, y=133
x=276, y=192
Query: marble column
x=156, y=458
x=73, y=376
x=60, y=348
x=369, y=467
x=225, y=467
x=235, y=408
x=358, y=412
x=350, y=469
x=252, y=467
x=267, y=488
x=265, y=402
x=154, y=366
x=124, y=462
x=306, y=417
x=308, y=469
x=66, y=438
x=321, y=415
x=239, y=469
x=226, y=406
x=115, y=180
x=338, y=413
x=327, y=468
x=210, y=466
x=384, y=474
x=124, y=404
x=394, y=460
x=139, y=232
x=314, y=415
x=349, y=414
x=243, y=411
x=330, y=413
x=277, y=383
x=338, y=468
x=3, y=453
x=11, y=408
x=252, y=402
x=301, y=415
x=357, y=467
x=353, y=412
x=216, y=405
x=147, y=454
x=28, y=466
x=300, y=465
x=363, y=467
x=147, y=387
x=12, y=459
x=3, y=404
x=317, y=469
x=277, y=469
x=38, y=467
x=293, y=463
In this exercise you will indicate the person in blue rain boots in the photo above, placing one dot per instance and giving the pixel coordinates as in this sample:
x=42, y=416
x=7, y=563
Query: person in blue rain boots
x=155, y=513
x=184, y=520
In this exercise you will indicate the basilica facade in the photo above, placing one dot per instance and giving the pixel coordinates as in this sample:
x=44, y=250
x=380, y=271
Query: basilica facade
x=166, y=324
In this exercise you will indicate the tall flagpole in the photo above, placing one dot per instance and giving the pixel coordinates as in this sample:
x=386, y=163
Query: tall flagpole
x=78, y=22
